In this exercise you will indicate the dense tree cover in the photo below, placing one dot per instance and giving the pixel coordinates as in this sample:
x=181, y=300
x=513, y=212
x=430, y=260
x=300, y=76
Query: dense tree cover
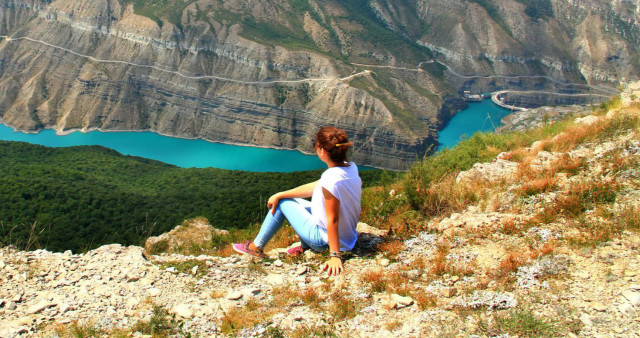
x=82, y=197
x=538, y=9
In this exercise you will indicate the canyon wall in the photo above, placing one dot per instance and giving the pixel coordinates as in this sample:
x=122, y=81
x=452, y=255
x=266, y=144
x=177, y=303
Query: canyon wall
x=271, y=73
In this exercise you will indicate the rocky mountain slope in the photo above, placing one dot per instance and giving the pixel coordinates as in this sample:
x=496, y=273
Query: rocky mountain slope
x=549, y=248
x=269, y=73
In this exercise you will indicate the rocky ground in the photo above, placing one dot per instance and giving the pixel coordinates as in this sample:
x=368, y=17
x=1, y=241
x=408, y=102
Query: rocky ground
x=504, y=266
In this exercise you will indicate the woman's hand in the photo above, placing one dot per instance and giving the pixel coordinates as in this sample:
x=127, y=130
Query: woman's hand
x=273, y=201
x=333, y=266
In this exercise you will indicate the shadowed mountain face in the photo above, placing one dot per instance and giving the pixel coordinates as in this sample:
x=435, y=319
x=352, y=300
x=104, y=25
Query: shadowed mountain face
x=269, y=73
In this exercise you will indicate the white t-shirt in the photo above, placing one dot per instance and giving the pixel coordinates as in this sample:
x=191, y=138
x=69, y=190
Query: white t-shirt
x=345, y=184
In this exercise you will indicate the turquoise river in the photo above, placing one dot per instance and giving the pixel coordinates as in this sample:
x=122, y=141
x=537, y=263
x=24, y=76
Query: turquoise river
x=186, y=153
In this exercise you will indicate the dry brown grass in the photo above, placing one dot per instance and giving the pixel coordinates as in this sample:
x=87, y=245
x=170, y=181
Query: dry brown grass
x=215, y=294
x=604, y=129
x=629, y=218
x=425, y=300
x=569, y=165
x=518, y=155
x=511, y=227
x=440, y=265
x=237, y=319
x=579, y=198
x=341, y=306
x=446, y=196
x=510, y=264
x=391, y=248
x=254, y=312
x=603, y=226
x=537, y=186
x=518, y=257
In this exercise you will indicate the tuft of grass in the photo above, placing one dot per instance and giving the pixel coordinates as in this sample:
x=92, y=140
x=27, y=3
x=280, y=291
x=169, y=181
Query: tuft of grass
x=79, y=329
x=579, y=198
x=391, y=248
x=604, y=225
x=158, y=247
x=160, y=324
x=314, y=331
x=375, y=279
x=341, y=306
x=424, y=300
x=520, y=322
x=445, y=197
x=393, y=325
x=629, y=218
x=569, y=165
x=510, y=264
x=537, y=186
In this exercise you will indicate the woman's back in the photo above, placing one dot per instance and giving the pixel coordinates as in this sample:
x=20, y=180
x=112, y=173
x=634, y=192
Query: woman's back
x=344, y=183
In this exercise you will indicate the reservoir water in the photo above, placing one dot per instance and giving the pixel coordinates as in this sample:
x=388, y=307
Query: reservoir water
x=187, y=153
x=479, y=116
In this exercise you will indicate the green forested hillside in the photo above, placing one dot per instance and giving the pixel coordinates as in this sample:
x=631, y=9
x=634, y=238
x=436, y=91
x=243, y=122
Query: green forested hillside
x=82, y=197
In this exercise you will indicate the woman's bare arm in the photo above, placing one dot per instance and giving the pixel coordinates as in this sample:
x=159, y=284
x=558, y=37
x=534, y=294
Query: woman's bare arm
x=303, y=191
x=332, y=209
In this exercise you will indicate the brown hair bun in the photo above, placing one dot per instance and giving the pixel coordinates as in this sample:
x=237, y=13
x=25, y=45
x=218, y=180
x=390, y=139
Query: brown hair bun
x=335, y=141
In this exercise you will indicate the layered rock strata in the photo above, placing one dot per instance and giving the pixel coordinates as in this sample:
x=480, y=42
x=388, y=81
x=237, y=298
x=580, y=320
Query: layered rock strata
x=269, y=74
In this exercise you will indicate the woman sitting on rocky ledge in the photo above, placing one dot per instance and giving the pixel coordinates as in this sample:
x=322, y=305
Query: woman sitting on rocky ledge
x=330, y=219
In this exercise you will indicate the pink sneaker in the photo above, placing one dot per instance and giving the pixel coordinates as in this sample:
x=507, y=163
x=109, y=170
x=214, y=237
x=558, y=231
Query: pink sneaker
x=243, y=248
x=296, y=251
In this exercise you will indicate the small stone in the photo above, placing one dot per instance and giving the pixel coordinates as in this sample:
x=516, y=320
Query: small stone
x=171, y=269
x=132, y=303
x=301, y=270
x=252, y=291
x=618, y=330
x=586, y=320
x=2, y=265
x=278, y=263
x=17, y=298
x=64, y=307
x=401, y=302
x=449, y=292
x=194, y=270
x=625, y=307
x=632, y=296
x=133, y=277
x=39, y=307
x=455, y=278
x=274, y=279
x=2, y=303
x=183, y=311
x=583, y=275
x=234, y=295
x=309, y=254
x=12, y=306
x=599, y=307
x=630, y=273
x=635, y=287
x=154, y=292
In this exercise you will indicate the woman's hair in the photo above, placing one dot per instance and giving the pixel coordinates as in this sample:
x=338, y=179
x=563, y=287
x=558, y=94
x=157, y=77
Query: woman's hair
x=335, y=141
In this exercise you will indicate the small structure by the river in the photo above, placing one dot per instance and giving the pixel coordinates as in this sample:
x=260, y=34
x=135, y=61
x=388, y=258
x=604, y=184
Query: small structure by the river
x=472, y=97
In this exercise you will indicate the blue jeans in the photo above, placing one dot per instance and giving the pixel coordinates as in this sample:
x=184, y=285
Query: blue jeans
x=298, y=213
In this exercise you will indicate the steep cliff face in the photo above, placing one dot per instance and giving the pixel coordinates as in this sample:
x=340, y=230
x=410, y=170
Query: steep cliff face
x=270, y=73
